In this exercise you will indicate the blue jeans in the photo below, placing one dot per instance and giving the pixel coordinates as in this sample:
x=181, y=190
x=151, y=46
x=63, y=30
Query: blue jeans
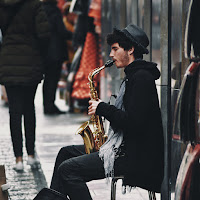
x=21, y=103
x=73, y=168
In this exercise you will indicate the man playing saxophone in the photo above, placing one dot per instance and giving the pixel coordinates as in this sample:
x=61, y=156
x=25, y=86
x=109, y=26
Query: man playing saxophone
x=134, y=147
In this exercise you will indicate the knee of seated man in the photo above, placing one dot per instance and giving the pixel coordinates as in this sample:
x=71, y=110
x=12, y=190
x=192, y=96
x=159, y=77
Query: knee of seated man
x=65, y=152
x=68, y=169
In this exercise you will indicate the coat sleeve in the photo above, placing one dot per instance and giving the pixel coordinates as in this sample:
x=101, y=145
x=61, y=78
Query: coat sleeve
x=138, y=102
x=142, y=104
x=57, y=21
x=41, y=22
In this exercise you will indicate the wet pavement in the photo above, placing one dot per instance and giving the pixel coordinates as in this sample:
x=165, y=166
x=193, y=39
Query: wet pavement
x=52, y=133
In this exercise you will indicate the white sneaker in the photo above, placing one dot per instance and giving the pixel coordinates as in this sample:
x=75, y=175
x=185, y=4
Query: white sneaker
x=32, y=162
x=19, y=166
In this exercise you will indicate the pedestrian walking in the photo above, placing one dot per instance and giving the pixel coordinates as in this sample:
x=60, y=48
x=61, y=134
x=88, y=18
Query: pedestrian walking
x=25, y=33
x=57, y=53
x=134, y=147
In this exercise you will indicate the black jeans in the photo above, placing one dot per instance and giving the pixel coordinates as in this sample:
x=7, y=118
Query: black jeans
x=21, y=103
x=73, y=168
x=52, y=76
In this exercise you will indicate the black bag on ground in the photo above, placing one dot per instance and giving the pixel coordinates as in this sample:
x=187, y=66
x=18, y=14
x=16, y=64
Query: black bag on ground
x=50, y=194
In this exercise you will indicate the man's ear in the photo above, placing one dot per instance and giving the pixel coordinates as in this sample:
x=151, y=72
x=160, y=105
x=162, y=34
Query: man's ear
x=131, y=50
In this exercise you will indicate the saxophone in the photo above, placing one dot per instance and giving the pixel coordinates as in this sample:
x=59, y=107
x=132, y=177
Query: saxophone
x=93, y=138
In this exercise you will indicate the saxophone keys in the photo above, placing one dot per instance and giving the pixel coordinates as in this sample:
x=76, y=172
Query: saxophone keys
x=92, y=119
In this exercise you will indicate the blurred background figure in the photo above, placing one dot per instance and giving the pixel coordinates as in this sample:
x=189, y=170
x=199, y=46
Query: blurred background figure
x=80, y=8
x=25, y=32
x=56, y=54
x=87, y=56
x=69, y=19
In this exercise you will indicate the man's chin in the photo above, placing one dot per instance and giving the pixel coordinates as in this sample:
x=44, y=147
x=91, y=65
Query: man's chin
x=119, y=66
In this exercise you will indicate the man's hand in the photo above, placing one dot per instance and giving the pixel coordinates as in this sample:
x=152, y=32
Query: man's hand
x=93, y=106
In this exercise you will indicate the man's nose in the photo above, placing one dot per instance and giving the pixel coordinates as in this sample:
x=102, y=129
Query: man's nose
x=111, y=54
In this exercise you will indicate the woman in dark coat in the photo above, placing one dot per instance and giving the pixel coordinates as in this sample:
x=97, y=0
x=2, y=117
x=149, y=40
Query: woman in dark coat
x=25, y=32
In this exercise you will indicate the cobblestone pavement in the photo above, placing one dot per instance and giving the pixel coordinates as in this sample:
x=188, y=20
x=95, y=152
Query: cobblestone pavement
x=52, y=132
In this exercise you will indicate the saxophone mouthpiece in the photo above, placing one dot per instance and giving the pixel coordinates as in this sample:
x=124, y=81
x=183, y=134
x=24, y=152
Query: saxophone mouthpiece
x=109, y=63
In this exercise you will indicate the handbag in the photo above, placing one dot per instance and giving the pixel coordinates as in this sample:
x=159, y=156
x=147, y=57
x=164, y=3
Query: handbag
x=50, y=194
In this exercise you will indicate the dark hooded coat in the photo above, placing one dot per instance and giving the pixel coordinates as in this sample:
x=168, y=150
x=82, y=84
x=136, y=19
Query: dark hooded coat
x=57, y=50
x=25, y=33
x=142, y=126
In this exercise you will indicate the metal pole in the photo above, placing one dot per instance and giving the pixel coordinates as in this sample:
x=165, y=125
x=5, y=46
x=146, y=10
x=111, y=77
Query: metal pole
x=166, y=93
x=148, y=26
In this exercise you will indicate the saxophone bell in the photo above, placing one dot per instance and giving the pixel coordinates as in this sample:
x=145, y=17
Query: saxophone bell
x=86, y=133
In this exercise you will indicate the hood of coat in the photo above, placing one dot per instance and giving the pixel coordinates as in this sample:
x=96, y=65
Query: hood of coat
x=9, y=2
x=145, y=65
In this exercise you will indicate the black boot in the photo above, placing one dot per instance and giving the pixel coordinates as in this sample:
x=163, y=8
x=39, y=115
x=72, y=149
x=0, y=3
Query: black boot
x=53, y=110
x=50, y=194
